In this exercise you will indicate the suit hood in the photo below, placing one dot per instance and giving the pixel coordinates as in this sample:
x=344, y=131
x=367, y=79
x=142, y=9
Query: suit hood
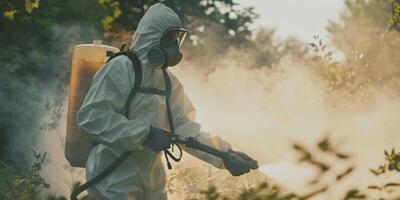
x=151, y=28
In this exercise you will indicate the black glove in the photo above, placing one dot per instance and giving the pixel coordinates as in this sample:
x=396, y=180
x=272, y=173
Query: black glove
x=158, y=140
x=239, y=163
x=252, y=163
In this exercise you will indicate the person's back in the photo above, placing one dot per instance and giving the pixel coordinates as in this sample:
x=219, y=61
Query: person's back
x=146, y=129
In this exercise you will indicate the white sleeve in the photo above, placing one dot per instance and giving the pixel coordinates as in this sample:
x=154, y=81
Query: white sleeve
x=100, y=116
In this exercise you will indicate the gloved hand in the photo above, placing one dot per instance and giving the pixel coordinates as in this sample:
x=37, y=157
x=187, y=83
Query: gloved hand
x=239, y=163
x=158, y=140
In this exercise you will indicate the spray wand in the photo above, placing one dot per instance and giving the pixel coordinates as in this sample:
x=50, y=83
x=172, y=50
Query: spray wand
x=193, y=143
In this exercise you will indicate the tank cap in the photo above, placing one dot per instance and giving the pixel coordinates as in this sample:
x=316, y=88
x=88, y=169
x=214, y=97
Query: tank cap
x=97, y=42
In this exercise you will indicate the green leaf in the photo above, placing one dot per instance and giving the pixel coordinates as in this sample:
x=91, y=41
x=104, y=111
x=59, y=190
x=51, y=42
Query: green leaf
x=391, y=185
x=374, y=187
x=106, y=22
x=117, y=12
x=31, y=4
x=9, y=14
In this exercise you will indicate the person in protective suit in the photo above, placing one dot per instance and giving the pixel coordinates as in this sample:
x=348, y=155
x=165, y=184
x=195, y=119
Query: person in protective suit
x=145, y=131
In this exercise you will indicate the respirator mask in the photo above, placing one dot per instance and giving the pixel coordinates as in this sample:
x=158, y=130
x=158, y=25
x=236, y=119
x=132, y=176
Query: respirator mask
x=168, y=53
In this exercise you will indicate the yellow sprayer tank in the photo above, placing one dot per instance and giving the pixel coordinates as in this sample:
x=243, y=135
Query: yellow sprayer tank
x=86, y=60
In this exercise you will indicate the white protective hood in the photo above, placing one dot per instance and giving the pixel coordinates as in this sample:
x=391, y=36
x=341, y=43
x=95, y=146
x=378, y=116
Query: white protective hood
x=152, y=27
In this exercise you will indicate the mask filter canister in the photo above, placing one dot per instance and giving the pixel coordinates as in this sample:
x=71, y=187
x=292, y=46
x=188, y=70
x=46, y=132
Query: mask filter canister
x=156, y=57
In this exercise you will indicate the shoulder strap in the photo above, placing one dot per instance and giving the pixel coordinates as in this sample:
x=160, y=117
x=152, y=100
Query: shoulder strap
x=168, y=90
x=137, y=68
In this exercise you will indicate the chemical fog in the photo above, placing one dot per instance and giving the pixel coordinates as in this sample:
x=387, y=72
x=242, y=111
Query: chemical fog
x=262, y=111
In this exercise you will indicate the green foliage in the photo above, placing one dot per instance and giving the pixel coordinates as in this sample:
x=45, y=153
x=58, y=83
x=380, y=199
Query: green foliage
x=212, y=194
x=339, y=75
x=180, y=181
x=247, y=187
x=35, y=57
x=9, y=14
x=11, y=8
x=265, y=191
x=392, y=163
x=385, y=190
x=370, y=57
x=354, y=194
x=194, y=181
x=23, y=185
x=31, y=4
x=321, y=50
x=114, y=12
x=55, y=108
x=395, y=20
x=313, y=158
x=235, y=21
x=268, y=50
x=28, y=184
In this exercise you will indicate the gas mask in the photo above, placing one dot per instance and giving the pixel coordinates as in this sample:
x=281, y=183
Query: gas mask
x=168, y=53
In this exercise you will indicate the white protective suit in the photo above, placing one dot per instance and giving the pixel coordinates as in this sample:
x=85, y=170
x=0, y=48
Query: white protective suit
x=142, y=175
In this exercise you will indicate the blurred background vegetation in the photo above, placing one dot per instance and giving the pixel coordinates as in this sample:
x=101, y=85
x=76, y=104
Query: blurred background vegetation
x=36, y=37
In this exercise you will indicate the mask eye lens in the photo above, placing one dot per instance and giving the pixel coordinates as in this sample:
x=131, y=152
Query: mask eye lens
x=181, y=37
x=173, y=37
x=170, y=38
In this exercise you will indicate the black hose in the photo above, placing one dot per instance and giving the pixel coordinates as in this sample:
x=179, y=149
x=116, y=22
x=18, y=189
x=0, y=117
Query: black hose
x=101, y=175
